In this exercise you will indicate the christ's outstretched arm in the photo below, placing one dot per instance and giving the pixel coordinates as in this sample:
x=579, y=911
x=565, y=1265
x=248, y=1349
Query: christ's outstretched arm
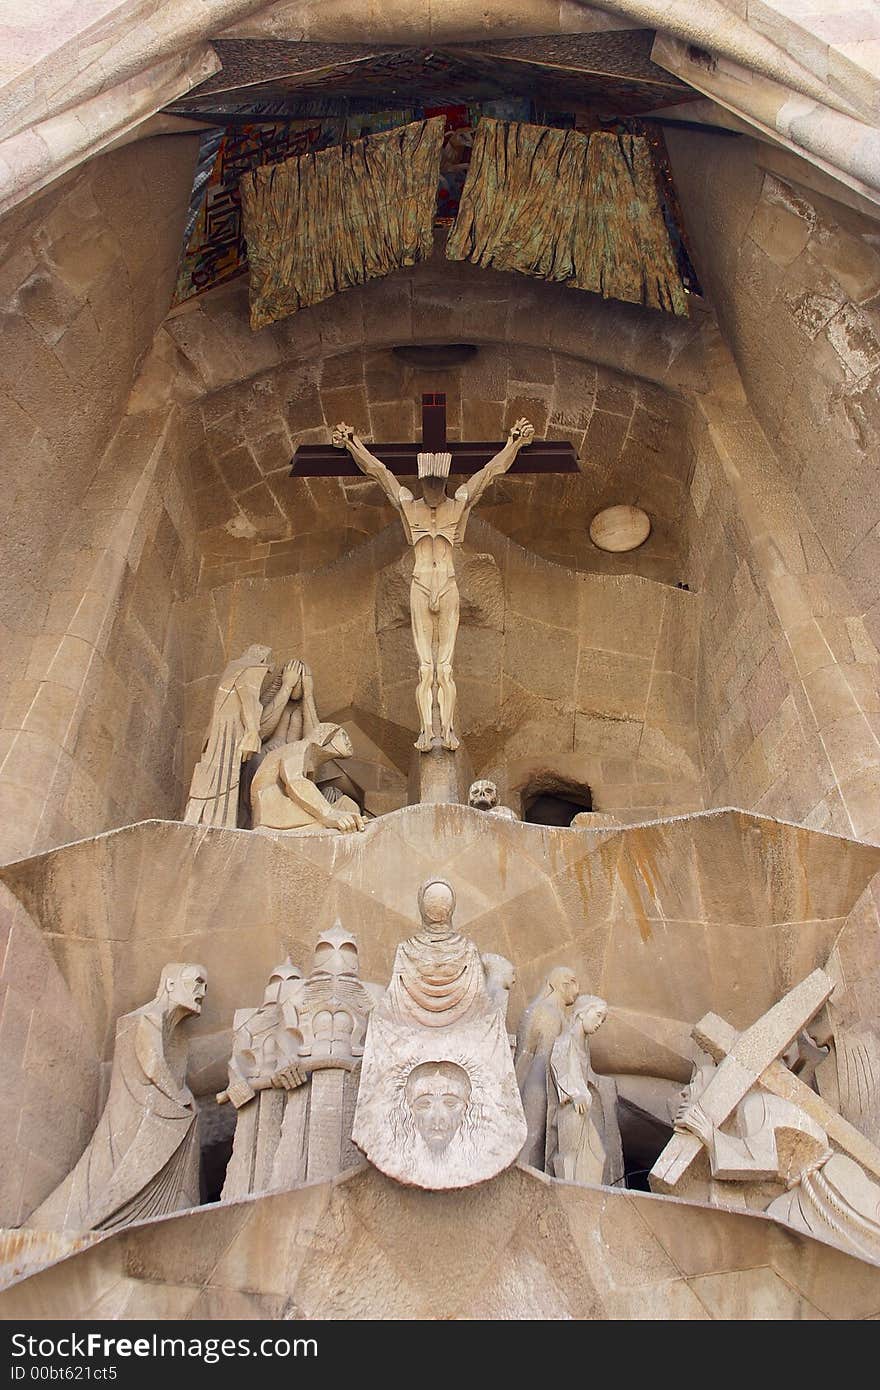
x=523, y=433
x=344, y=437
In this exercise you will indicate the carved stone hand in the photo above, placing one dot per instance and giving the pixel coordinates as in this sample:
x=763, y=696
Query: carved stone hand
x=250, y=743
x=582, y=1102
x=342, y=436
x=522, y=433
x=693, y=1118
x=292, y=672
x=289, y=1078
x=345, y=821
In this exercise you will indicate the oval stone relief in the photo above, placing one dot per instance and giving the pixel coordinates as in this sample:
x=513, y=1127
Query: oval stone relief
x=620, y=528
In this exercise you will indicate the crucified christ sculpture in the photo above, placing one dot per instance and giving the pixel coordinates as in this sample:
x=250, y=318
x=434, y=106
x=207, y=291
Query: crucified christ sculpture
x=434, y=524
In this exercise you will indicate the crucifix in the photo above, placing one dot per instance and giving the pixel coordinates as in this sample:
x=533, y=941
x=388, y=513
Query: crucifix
x=543, y=456
x=433, y=525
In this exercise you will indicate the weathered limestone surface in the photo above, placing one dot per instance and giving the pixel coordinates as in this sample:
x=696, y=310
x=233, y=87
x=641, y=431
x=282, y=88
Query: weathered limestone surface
x=52, y=1067
x=99, y=535
x=721, y=911
x=785, y=506
x=262, y=395
x=154, y=532
x=517, y=1247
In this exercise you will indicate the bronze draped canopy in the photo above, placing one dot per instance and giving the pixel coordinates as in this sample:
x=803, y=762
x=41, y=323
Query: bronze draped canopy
x=581, y=210
x=578, y=209
x=320, y=223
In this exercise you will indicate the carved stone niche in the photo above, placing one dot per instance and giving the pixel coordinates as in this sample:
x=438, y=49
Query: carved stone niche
x=551, y=798
x=435, y=356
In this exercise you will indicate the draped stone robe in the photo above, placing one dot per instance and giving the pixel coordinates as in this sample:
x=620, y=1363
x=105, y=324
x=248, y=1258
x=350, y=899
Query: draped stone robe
x=143, y=1158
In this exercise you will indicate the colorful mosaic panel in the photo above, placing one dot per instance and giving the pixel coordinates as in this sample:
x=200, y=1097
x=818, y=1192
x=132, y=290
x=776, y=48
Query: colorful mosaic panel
x=215, y=250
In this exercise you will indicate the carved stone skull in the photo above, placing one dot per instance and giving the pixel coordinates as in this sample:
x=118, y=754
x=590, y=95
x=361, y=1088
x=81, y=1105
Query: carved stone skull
x=483, y=795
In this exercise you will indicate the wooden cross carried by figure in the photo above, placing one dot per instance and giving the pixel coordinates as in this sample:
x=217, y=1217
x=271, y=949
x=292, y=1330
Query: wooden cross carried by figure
x=544, y=456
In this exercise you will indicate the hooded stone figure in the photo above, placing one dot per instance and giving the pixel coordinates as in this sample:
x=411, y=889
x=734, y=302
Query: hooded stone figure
x=438, y=1106
x=540, y=1026
x=239, y=723
x=143, y=1158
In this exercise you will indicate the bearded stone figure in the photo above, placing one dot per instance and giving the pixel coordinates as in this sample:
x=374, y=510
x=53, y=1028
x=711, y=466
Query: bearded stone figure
x=143, y=1158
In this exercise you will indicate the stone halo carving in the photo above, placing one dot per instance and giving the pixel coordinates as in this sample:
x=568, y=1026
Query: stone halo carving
x=621, y=528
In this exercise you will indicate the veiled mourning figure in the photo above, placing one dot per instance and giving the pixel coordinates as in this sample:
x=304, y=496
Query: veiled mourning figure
x=438, y=1105
x=583, y=1139
x=143, y=1158
x=540, y=1026
x=250, y=705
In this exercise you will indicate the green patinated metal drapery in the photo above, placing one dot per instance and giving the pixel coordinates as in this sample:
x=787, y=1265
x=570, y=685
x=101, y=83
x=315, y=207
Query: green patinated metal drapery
x=323, y=222
x=559, y=205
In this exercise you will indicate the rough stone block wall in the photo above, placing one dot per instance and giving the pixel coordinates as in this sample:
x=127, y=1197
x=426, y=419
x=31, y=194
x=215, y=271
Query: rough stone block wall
x=85, y=278
x=99, y=536
x=90, y=733
x=759, y=746
x=796, y=284
x=51, y=1071
x=609, y=377
x=795, y=280
x=254, y=518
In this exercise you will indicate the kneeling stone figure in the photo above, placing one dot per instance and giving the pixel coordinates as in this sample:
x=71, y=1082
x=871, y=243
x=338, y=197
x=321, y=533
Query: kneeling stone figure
x=284, y=795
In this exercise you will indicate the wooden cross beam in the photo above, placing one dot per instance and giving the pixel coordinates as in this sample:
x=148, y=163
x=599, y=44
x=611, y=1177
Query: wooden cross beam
x=323, y=461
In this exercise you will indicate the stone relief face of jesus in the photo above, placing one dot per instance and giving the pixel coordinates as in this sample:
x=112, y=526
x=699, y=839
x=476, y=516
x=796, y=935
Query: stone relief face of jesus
x=437, y=1094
